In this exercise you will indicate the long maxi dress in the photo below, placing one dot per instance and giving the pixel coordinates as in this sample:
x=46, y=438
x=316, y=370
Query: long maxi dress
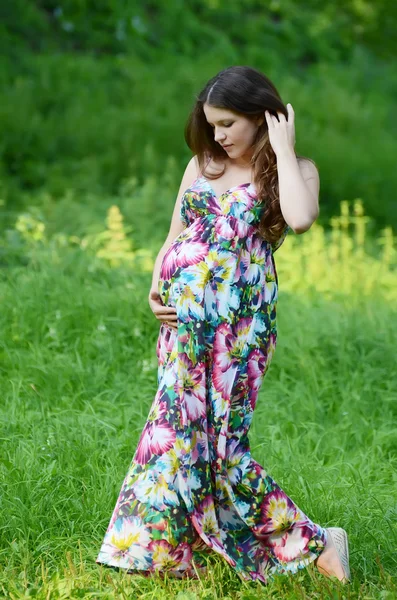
x=192, y=487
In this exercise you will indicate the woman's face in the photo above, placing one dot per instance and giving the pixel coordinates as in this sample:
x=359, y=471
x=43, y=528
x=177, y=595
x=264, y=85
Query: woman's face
x=234, y=130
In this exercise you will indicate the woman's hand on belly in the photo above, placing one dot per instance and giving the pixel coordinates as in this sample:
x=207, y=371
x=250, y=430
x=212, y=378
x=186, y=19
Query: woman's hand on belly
x=165, y=314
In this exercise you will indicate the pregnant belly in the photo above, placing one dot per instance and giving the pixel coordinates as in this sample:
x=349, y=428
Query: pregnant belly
x=216, y=258
x=183, y=253
x=195, y=242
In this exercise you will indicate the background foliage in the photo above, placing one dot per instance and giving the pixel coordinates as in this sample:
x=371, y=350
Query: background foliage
x=94, y=93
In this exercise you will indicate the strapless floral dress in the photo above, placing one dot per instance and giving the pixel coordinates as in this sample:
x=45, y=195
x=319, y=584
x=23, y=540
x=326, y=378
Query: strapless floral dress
x=193, y=487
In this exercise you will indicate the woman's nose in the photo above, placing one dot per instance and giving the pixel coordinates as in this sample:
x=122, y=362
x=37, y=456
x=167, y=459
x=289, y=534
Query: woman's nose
x=219, y=136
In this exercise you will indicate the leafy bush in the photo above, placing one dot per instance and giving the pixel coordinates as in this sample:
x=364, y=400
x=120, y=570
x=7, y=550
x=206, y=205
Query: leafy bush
x=83, y=126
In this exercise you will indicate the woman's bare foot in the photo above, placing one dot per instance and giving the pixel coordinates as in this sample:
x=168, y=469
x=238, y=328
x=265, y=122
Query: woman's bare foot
x=328, y=563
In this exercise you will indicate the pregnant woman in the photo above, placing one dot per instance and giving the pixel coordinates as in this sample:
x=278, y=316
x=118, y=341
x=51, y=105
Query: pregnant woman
x=193, y=487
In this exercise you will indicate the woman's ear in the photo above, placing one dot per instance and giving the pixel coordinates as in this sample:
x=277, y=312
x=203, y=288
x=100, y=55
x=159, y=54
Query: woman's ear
x=259, y=120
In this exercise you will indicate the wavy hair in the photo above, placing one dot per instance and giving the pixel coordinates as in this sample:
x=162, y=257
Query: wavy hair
x=245, y=91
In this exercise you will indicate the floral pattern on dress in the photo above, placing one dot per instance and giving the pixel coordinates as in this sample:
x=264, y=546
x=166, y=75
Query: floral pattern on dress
x=192, y=487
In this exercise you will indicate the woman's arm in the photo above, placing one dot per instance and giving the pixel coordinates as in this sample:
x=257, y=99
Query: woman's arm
x=299, y=186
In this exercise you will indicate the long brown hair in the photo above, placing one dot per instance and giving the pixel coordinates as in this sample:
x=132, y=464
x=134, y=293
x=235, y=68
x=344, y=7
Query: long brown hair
x=249, y=92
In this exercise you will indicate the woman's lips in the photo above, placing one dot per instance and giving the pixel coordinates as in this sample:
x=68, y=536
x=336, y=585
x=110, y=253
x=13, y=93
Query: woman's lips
x=228, y=146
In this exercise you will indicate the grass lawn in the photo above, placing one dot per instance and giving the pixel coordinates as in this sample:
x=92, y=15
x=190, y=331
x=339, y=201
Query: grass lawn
x=77, y=377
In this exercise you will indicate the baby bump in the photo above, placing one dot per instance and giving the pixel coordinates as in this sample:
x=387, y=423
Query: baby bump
x=183, y=253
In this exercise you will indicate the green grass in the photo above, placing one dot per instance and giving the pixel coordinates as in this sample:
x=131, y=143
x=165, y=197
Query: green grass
x=78, y=375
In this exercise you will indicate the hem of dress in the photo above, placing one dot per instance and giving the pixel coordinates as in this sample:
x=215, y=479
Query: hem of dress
x=301, y=563
x=161, y=573
x=194, y=573
x=278, y=569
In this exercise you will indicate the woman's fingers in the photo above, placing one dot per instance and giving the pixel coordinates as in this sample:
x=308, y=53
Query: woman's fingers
x=166, y=314
x=165, y=310
x=163, y=307
x=170, y=319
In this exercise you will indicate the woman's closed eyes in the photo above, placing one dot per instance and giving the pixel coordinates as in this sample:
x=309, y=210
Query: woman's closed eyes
x=226, y=125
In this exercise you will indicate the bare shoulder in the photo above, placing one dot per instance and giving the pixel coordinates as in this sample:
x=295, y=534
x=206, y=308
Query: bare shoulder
x=190, y=173
x=192, y=169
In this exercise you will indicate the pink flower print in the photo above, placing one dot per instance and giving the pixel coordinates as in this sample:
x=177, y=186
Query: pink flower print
x=256, y=365
x=278, y=514
x=229, y=344
x=157, y=437
x=193, y=380
x=255, y=371
x=223, y=228
x=204, y=517
x=251, y=267
x=158, y=410
x=242, y=229
x=181, y=254
x=124, y=542
x=223, y=383
x=238, y=460
x=199, y=447
x=269, y=348
x=167, y=557
x=263, y=562
x=165, y=342
x=293, y=544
